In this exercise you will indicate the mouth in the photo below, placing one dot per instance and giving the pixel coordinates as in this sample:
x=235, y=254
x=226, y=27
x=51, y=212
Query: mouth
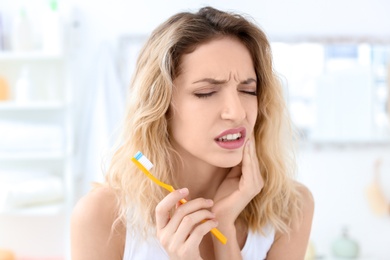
x=232, y=138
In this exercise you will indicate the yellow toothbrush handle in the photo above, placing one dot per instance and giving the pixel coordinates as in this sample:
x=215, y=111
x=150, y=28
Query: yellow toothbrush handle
x=219, y=235
x=213, y=231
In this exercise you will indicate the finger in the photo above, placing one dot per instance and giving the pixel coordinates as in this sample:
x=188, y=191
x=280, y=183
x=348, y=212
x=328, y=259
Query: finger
x=250, y=149
x=247, y=159
x=164, y=207
x=189, y=223
x=250, y=167
x=187, y=209
x=200, y=231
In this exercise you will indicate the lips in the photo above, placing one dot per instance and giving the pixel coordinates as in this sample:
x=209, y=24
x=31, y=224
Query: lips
x=232, y=138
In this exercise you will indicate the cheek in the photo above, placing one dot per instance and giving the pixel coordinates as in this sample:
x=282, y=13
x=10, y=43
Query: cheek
x=252, y=112
x=184, y=121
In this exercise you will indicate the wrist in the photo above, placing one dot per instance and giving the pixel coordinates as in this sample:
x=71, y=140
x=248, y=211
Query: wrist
x=225, y=219
x=229, y=231
x=230, y=250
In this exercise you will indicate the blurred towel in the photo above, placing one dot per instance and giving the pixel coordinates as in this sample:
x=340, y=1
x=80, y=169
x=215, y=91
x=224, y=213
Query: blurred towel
x=35, y=192
x=21, y=137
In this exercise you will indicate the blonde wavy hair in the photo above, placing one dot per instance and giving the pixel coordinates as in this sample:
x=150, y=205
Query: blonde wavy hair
x=146, y=125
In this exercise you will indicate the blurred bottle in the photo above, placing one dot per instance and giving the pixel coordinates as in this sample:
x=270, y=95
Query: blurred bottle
x=345, y=247
x=6, y=255
x=52, y=29
x=21, y=34
x=4, y=89
x=1, y=33
x=23, y=87
x=75, y=29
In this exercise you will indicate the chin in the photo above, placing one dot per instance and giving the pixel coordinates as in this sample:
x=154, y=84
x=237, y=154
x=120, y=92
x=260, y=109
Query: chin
x=228, y=161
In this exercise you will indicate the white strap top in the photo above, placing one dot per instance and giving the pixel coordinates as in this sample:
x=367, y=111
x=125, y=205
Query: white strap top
x=256, y=246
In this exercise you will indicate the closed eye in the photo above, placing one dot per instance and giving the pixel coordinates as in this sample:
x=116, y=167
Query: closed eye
x=205, y=95
x=253, y=93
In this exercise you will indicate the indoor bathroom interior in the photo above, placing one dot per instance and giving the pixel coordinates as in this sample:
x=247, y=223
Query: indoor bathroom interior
x=65, y=66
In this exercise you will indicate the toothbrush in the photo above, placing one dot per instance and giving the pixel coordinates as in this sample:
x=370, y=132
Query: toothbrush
x=145, y=165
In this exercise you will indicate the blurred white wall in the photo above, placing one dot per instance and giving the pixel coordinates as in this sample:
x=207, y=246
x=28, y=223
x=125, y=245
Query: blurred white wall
x=278, y=18
x=339, y=178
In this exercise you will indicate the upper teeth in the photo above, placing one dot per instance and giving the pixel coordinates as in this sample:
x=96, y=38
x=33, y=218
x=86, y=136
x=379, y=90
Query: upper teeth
x=230, y=137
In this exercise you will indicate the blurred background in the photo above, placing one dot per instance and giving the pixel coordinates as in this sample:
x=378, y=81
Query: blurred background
x=64, y=70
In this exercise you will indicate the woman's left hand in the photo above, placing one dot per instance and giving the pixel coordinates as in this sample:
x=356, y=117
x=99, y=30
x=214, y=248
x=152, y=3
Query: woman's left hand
x=240, y=186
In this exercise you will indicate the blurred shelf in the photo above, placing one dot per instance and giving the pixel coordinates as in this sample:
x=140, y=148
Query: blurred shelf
x=356, y=144
x=19, y=156
x=33, y=106
x=29, y=56
x=39, y=210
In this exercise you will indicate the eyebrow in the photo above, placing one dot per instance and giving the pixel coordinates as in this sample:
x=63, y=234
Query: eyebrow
x=218, y=82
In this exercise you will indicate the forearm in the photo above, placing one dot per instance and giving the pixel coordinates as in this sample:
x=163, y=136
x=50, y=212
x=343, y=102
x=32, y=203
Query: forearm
x=230, y=250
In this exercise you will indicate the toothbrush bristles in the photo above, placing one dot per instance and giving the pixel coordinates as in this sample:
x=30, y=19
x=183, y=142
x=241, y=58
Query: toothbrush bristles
x=143, y=160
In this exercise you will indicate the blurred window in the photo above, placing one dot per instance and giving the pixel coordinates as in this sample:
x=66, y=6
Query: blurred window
x=336, y=92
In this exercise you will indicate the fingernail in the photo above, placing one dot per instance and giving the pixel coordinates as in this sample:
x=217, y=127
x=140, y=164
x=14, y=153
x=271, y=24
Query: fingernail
x=183, y=191
x=209, y=202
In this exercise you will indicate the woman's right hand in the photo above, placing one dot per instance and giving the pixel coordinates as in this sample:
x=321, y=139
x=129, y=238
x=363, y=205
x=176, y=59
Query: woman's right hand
x=181, y=232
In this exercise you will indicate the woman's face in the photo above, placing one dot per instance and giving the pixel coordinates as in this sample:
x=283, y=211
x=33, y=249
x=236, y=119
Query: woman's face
x=214, y=105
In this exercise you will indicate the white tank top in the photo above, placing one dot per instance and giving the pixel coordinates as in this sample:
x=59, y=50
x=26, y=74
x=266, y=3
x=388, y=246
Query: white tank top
x=256, y=246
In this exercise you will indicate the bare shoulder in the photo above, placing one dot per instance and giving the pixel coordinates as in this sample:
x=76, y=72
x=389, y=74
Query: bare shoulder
x=307, y=198
x=294, y=243
x=92, y=235
x=99, y=205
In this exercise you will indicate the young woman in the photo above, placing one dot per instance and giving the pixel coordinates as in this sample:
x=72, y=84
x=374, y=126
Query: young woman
x=206, y=108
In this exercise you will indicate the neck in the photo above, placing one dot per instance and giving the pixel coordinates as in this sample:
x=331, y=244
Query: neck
x=200, y=178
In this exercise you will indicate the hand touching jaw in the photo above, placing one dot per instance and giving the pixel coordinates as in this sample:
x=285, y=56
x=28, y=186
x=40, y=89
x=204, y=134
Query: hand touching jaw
x=241, y=185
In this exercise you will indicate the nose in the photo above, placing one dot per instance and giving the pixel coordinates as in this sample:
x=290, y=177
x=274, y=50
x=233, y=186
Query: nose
x=233, y=108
